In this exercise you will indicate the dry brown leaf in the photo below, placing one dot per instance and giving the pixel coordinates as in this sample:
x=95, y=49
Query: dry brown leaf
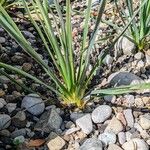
x=36, y=143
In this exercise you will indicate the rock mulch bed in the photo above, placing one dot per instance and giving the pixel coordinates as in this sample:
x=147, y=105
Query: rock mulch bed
x=112, y=122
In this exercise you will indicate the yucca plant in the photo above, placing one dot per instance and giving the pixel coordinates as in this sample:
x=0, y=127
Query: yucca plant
x=71, y=81
x=139, y=30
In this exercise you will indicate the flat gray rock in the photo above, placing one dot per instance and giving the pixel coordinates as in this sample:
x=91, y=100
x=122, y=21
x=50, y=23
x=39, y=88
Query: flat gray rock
x=5, y=121
x=91, y=144
x=49, y=121
x=123, y=78
x=33, y=103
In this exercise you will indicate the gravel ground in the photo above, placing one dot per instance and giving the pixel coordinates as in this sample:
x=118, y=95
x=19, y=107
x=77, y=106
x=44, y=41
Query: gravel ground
x=29, y=121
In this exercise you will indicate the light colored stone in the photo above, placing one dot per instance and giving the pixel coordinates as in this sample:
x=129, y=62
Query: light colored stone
x=108, y=60
x=139, y=56
x=85, y=123
x=33, y=103
x=5, y=121
x=11, y=107
x=92, y=144
x=129, y=117
x=130, y=99
x=2, y=40
x=128, y=136
x=55, y=142
x=145, y=121
x=138, y=127
x=124, y=45
x=114, y=126
x=140, y=64
x=110, y=98
x=135, y=144
x=101, y=113
x=114, y=147
x=139, y=102
x=72, y=130
x=121, y=137
x=107, y=138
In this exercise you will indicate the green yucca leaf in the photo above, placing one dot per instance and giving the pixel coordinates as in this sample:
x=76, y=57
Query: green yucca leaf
x=121, y=89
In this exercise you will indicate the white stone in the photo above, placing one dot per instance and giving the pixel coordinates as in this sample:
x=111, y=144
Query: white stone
x=101, y=113
x=135, y=144
x=114, y=126
x=85, y=123
x=107, y=138
x=129, y=117
x=145, y=121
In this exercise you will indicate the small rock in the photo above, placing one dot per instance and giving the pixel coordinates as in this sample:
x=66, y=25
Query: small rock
x=101, y=113
x=19, y=132
x=108, y=60
x=125, y=45
x=110, y=98
x=144, y=134
x=139, y=56
x=123, y=78
x=85, y=123
x=138, y=127
x=69, y=124
x=128, y=136
x=26, y=67
x=107, y=138
x=114, y=126
x=145, y=121
x=28, y=34
x=146, y=100
x=49, y=120
x=140, y=64
x=5, y=121
x=114, y=147
x=5, y=133
x=72, y=130
x=139, y=102
x=4, y=79
x=74, y=116
x=2, y=40
x=147, y=59
x=33, y=103
x=130, y=99
x=11, y=107
x=129, y=117
x=55, y=142
x=135, y=144
x=120, y=116
x=19, y=120
x=121, y=137
x=92, y=144
x=2, y=103
x=19, y=140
